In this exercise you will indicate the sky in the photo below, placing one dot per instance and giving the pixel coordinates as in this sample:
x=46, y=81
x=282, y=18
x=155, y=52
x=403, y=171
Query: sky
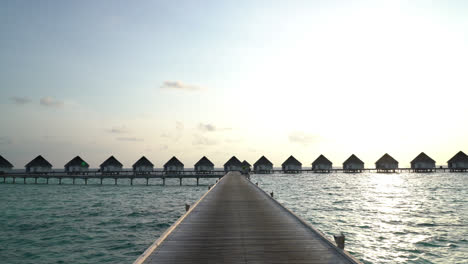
x=223, y=78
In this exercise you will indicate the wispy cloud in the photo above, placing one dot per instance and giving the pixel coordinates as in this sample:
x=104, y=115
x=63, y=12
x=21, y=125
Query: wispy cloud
x=118, y=130
x=178, y=85
x=133, y=139
x=302, y=138
x=20, y=100
x=50, y=102
x=203, y=141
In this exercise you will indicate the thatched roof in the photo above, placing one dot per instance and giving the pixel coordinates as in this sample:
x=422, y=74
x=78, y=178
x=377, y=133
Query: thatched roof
x=174, y=162
x=423, y=158
x=322, y=160
x=39, y=161
x=386, y=159
x=459, y=157
x=143, y=161
x=111, y=161
x=5, y=163
x=291, y=161
x=263, y=161
x=246, y=164
x=353, y=160
x=204, y=161
x=233, y=162
x=77, y=161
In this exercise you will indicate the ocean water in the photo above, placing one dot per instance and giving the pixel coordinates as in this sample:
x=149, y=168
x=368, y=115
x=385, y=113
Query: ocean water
x=387, y=218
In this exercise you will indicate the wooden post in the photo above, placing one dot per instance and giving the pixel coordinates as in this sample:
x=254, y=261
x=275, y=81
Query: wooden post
x=340, y=240
x=115, y=181
x=86, y=181
x=271, y=194
x=180, y=181
x=131, y=181
x=47, y=180
x=24, y=180
x=73, y=179
x=197, y=180
x=187, y=207
x=147, y=179
x=4, y=179
x=164, y=181
x=35, y=180
x=14, y=180
x=60, y=180
x=101, y=181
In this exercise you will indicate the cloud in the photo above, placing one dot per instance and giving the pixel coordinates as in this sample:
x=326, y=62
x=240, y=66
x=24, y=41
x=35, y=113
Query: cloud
x=118, y=130
x=178, y=85
x=302, y=138
x=206, y=127
x=133, y=139
x=20, y=100
x=203, y=141
x=179, y=125
x=50, y=102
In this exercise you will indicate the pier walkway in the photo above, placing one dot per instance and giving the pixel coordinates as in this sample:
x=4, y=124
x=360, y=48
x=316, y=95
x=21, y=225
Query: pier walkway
x=236, y=222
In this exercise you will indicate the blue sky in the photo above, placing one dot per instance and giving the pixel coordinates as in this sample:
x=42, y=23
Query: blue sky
x=218, y=78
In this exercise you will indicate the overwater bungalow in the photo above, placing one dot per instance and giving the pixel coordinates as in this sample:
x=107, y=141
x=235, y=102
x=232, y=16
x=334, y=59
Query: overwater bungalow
x=111, y=166
x=246, y=167
x=459, y=162
x=322, y=164
x=263, y=166
x=174, y=166
x=76, y=166
x=233, y=164
x=38, y=165
x=423, y=163
x=204, y=166
x=386, y=164
x=5, y=165
x=353, y=164
x=143, y=166
x=291, y=165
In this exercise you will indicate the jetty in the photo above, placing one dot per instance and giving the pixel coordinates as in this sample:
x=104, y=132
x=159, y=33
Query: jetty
x=237, y=222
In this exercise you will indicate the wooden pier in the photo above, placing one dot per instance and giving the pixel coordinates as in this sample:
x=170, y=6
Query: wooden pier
x=236, y=222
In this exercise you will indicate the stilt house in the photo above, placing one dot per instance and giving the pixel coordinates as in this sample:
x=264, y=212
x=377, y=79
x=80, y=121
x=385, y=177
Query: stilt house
x=143, y=166
x=204, y=165
x=263, y=165
x=246, y=167
x=423, y=163
x=459, y=162
x=291, y=165
x=386, y=163
x=174, y=165
x=353, y=164
x=322, y=164
x=233, y=164
x=111, y=165
x=76, y=165
x=38, y=165
x=5, y=165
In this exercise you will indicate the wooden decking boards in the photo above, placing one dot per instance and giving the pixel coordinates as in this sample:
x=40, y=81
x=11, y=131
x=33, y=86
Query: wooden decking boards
x=236, y=222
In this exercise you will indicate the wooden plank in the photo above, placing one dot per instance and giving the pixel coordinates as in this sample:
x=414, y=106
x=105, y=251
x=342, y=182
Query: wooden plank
x=236, y=222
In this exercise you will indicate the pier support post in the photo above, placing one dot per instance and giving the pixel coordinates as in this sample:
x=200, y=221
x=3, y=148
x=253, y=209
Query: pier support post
x=14, y=180
x=101, y=181
x=4, y=179
x=86, y=181
x=164, y=181
x=180, y=181
x=198, y=180
x=35, y=180
x=187, y=207
x=115, y=181
x=340, y=240
x=47, y=180
x=60, y=180
x=147, y=179
x=131, y=181
x=24, y=180
x=73, y=180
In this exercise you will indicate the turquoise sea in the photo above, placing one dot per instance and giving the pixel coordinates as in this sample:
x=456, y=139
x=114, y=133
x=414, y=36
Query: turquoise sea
x=387, y=218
